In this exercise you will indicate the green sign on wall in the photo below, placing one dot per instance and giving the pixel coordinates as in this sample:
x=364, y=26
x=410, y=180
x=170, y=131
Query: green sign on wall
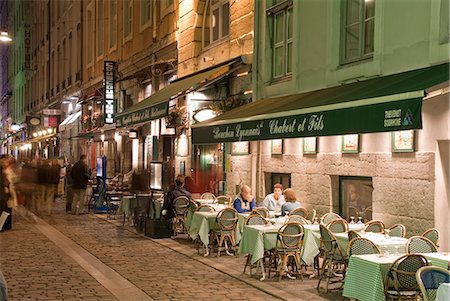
x=379, y=117
x=143, y=115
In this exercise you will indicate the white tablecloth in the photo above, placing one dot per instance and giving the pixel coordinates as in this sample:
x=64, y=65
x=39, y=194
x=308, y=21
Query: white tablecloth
x=443, y=292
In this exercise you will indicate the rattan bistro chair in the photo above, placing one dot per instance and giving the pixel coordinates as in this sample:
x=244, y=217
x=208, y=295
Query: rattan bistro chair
x=401, y=283
x=429, y=278
x=298, y=219
x=420, y=244
x=208, y=196
x=299, y=211
x=328, y=217
x=433, y=235
x=352, y=234
x=227, y=222
x=362, y=246
x=253, y=219
x=288, y=249
x=224, y=200
x=205, y=208
x=263, y=211
x=398, y=230
x=311, y=215
x=374, y=226
x=338, y=226
x=180, y=209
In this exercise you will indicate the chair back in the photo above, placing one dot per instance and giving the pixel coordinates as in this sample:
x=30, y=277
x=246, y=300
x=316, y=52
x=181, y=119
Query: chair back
x=290, y=236
x=402, y=274
x=420, y=244
x=352, y=234
x=205, y=208
x=227, y=219
x=398, y=230
x=255, y=219
x=208, y=196
x=338, y=226
x=368, y=214
x=263, y=211
x=300, y=212
x=311, y=215
x=193, y=205
x=327, y=239
x=224, y=200
x=374, y=226
x=433, y=235
x=328, y=217
x=298, y=219
x=181, y=205
x=362, y=246
x=429, y=278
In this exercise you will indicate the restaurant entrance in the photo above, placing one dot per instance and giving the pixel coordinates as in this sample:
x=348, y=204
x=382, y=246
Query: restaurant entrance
x=208, y=173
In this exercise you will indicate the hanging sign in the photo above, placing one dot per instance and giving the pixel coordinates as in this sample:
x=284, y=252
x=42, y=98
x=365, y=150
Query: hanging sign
x=108, y=86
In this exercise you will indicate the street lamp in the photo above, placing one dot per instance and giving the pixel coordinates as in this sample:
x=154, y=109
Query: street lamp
x=4, y=37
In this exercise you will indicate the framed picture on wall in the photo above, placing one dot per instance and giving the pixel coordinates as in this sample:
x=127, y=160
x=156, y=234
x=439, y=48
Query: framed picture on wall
x=350, y=143
x=277, y=147
x=310, y=145
x=403, y=141
x=240, y=148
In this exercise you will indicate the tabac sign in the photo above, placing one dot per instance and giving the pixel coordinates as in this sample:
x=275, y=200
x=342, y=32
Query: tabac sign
x=380, y=117
x=108, y=86
x=143, y=115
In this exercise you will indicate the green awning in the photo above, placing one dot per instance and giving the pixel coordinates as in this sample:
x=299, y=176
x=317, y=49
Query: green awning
x=83, y=136
x=388, y=103
x=157, y=105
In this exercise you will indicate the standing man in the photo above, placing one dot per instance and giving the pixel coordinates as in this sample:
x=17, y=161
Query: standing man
x=244, y=202
x=80, y=177
x=275, y=200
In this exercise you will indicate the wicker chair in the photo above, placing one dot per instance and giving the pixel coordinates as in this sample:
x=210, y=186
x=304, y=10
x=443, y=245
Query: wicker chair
x=255, y=219
x=311, y=215
x=300, y=211
x=208, y=196
x=333, y=257
x=205, y=208
x=398, y=230
x=374, y=226
x=352, y=234
x=368, y=213
x=338, y=226
x=263, y=211
x=227, y=222
x=420, y=244
x=429, y=278
x=362, y=246
x=224, y=200
x=433, y=235
x=181, y=206
x=298, y=219
x=328, y=217
x=289, y=246
x=401, y=283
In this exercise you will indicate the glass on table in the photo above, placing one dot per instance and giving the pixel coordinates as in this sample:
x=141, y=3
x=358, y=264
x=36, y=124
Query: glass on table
x=316, y=221
x=387, y=233
x=360, y=220
x=352, y=219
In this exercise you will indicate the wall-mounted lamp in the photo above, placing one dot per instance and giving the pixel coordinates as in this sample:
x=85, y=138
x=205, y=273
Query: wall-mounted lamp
x=4, y=37
x=132, y=135
x=203, y=115
x=102, y=137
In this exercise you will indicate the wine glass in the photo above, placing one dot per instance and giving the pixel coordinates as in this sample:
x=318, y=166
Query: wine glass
x=316, y=221
x=352, y=218
x=359, y=219
x=386, y=233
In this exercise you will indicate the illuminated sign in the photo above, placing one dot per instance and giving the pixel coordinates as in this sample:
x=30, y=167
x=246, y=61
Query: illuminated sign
x=108, y=85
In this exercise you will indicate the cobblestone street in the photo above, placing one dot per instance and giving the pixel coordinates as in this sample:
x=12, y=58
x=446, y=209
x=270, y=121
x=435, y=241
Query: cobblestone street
x=38, y=269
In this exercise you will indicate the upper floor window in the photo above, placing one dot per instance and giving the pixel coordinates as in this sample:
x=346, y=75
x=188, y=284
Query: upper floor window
x=100, y=32
x=280, y=35
x=112, y=23
x=358, y=30
x=146, y=12
x=127, y=18
x=220, y=19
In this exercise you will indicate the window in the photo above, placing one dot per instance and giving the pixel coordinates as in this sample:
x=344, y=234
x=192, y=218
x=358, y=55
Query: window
x=219, y=19
x=355, y=198
x=89, y=33
x=100, y=30
x=280, y=22
x=358, y=31
x=127, y=18
x=276, y=178
x=444, y=26
x=112, y=23
x=146, y=12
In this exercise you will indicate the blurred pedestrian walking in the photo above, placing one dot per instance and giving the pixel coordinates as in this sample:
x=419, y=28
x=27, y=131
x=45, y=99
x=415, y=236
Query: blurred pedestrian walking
x=52, y=169
x=68, y=188
x=6, y=203
x=80, y=178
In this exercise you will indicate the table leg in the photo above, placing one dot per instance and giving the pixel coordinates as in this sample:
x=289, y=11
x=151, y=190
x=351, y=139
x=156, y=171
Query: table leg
x=206, y=251
x=261, y=263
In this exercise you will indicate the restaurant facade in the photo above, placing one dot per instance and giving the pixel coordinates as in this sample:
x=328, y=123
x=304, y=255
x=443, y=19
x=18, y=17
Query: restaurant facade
x=356, y=123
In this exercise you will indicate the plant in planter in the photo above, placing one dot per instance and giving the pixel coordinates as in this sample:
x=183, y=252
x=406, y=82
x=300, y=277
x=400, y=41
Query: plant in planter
x=227, y=104
x=177, y=117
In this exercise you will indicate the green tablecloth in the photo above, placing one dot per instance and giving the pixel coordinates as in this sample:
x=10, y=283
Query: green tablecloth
x=127, y=204
x=393, y=245
x=256, y=239
x=311, y=243
x=202, y=223
x=443, y=292
x=366, y=275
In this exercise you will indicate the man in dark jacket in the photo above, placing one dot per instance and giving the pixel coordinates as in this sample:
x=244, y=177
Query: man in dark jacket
x=177, y=191
x=80, y=178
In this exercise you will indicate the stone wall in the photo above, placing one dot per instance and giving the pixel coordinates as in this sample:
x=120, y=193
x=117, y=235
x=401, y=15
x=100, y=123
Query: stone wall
x=403, y=183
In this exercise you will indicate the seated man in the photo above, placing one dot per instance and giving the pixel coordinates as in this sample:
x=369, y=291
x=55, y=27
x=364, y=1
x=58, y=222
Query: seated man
x=244, y=202
x=174, y=192
x=275, y=200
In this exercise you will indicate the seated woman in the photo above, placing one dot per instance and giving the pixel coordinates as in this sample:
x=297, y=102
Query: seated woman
x=291, y=201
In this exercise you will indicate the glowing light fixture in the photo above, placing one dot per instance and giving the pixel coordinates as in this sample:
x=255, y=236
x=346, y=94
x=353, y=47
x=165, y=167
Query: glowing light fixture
x=49, y=130
x=35, y=135
x=203, y=115
x=4, y=36
x=182, y=145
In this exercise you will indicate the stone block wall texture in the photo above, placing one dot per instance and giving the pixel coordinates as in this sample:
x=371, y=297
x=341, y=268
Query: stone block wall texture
x=404, y=184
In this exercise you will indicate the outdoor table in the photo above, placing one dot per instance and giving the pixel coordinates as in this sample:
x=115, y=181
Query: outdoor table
x=367, y=274
x=203, y=222
x=443, y=292
x=392, y=245
x=441, y=259
x=128, y=203
x=156, y=208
